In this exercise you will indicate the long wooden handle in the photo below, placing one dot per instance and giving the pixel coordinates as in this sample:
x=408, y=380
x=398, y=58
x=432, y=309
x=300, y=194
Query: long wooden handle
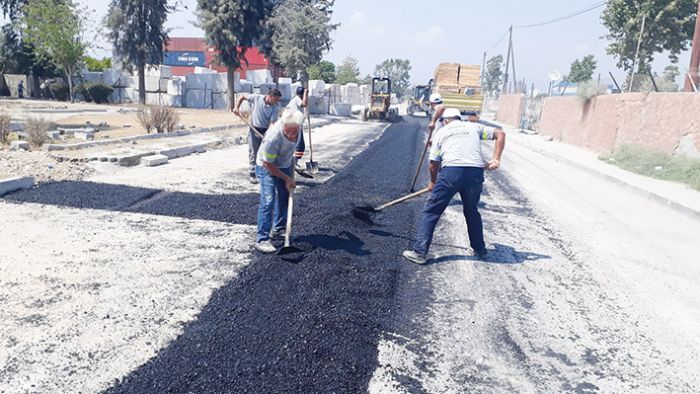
x=422, y=158
x=402, y=199
x=290, y=209
x=311, y=146
x=251, y=127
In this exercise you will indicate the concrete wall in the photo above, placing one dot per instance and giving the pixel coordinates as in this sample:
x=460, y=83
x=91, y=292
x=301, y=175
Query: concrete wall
x=510, y=107
x=656, y=121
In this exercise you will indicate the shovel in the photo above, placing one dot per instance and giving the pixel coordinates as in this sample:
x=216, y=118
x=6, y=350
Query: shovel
x=287, y=248
x=311, y=166
x=365, y=213
x=297, y=170
x=420, y=163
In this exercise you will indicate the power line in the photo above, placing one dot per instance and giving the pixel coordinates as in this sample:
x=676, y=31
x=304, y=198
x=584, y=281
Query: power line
x=562, y=18
x=499, y=41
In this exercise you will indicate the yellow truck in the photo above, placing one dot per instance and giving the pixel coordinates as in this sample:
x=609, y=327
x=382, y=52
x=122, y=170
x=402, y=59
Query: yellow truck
x=459, y=85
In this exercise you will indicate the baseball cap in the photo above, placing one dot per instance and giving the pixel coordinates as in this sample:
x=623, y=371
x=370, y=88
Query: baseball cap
x=435, y=98
x=451, y=113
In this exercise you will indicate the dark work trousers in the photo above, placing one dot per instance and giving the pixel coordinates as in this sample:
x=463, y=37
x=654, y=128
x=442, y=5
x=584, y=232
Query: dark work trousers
x=253, y=146
x=468, y=182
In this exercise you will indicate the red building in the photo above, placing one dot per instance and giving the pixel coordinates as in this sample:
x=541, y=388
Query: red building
x=184, y=54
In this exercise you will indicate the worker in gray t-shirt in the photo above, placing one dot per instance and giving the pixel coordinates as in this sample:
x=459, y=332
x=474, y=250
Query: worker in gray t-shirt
x=274, y=168
x=263, y=112
x=457, y=166
x=299, y=103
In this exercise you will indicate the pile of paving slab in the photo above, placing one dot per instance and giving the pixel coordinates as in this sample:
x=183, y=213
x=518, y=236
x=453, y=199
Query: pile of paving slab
x=207, y=88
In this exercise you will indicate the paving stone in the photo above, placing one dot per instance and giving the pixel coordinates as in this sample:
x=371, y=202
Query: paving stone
x=19, y=145
x=154, y=160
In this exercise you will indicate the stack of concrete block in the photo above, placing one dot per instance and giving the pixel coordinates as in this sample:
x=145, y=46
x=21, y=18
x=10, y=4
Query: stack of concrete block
x=210, y=82
x=172, y=100
x=116, y=77
x=245, y=87
x=352, y=94
x=154, y=98
x=317, y=87
x=335, y=93
x=258, y=77
x=285, y=86
x=265, y=88
x=159, y=71
x=318, y=105
x=204, y=70
x=176, y=87
x=91, y=76
x=365, y=93
x=341, y=109
x=152, y=84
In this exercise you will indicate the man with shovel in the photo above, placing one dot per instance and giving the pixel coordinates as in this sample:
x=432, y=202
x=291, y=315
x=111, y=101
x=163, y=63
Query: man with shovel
x=298, y=103
x=274, y=168
x=263, y=112
x=457, y=166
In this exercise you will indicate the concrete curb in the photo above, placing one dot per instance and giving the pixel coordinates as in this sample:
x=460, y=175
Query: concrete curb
x=10, y=185
x=643, y=192
x=178, y=133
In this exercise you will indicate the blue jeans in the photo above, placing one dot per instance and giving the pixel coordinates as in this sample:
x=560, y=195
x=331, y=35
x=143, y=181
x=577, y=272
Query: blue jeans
x=468, y=182
x=273, y=200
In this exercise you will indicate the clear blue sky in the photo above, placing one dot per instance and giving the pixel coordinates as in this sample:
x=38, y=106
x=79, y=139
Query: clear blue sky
x=428, y=33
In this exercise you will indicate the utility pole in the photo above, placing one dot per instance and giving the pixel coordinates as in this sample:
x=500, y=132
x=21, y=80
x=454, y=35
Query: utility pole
x=483, y=71
x=636, y=56
x=505, y=77
x=692, y=77
x=512, y=59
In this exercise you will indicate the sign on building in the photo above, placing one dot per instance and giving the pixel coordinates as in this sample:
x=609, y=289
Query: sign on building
x=187, y=59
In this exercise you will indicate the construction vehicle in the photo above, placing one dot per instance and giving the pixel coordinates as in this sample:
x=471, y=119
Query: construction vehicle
x=419, y=99
x=459, y=85
x=380, y=102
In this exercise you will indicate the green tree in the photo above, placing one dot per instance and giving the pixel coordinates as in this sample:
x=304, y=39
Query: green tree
x=55, y=29
x=232, y=27
x=301, y=35
x=399, y=71
x=493, y=75
x=669, y=27
x=665, y=82
x=582, y=70
x=324, y=70
x=366, y=80
x=348, y=71
x=96, y=64
x=138, y=35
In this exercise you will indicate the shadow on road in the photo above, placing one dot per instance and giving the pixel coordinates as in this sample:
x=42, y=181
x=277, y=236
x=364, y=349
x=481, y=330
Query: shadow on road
x=228, y=208
x=345, y=241
x=500, y=254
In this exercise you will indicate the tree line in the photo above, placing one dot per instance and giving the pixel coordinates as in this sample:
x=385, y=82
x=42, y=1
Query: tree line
x=50, y=37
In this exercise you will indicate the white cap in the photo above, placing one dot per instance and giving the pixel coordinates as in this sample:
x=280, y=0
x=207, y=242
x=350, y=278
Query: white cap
x=451, y=113
x=435, y=98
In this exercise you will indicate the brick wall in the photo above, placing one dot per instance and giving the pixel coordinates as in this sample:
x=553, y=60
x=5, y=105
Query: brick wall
x=510, y=107
x=655, y=121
